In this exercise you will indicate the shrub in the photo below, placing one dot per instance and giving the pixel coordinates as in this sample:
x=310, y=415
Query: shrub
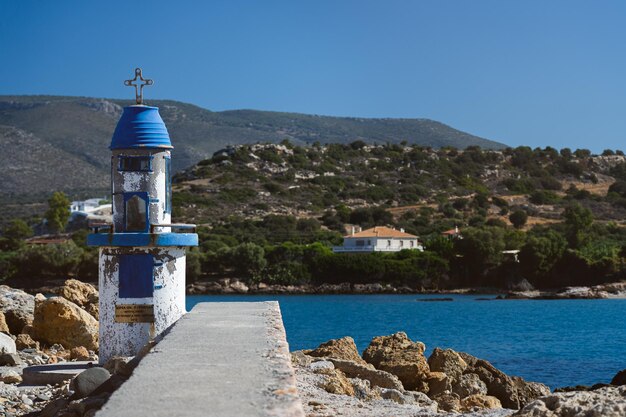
x=518, y=218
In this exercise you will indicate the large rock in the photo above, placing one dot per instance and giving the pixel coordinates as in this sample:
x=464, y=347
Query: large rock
x=367, y=372
x=7, y=345
x=603, y=402
x=447, y=361
x=343, y=348
x=58, y=320
x=82, y=294
x=17, y=320
x=499, y=384
x=513, y=392
x=619, y=378
x=17, y=307
x=14, y=299
x=402, y=357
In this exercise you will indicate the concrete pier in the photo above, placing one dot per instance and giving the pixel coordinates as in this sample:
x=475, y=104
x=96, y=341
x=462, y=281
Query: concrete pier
x=221, y=359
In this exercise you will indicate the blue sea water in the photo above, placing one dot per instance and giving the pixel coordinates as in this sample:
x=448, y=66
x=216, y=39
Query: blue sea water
x=557, y=342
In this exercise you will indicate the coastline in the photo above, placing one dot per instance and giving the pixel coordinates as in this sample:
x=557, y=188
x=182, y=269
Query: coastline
x=393, y=376
x=227, y=286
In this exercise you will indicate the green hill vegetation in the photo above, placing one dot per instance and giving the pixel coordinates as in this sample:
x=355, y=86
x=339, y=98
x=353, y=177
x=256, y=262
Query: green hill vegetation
x=271, y=213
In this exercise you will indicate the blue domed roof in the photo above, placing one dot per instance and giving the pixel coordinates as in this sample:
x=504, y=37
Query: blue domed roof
x=140, y=127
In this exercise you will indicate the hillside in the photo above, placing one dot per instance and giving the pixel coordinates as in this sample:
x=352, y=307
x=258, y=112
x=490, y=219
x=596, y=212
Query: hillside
x=60, y=143
x=270, y=213
x=459, y=187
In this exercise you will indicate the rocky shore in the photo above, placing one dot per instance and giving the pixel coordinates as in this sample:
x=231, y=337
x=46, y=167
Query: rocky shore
x=35, y=331
x=613, y=290
x=233, y=286
x=393, y=377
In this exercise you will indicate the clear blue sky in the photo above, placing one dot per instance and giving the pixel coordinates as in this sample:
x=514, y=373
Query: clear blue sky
x=526, y=72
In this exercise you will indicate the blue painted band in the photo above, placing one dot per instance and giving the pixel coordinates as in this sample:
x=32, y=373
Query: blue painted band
x=142, y=239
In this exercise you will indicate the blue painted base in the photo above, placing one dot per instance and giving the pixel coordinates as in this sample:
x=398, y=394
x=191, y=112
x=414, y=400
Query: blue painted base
x=142, y=239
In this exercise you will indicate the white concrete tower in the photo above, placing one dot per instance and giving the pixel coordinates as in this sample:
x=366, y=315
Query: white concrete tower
x=142, y=257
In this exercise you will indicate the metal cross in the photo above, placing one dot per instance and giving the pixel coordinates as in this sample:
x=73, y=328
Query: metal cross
x=138, y=91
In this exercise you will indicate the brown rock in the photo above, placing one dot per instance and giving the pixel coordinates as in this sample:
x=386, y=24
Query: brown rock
x=499, y=384
x=529, y=391
x=447, y=361
x=513, y=392
x=438, y=383
x=469, y=384
x=336, y=382
x=79, y=353
x=479, y=402
x=402, y=357
x=24, y=341
x=448, y=402
x=4, y=327
x=367, y=372
x=82, y=294
x=343, y=348
x=17, y=319
x=58, y=320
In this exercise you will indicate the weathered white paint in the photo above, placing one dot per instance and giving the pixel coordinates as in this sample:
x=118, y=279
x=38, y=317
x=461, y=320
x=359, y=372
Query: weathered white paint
x=127, y=339
x=153, y=182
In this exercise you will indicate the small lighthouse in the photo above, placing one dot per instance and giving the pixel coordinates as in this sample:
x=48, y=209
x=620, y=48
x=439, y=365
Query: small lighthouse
x=142, y=256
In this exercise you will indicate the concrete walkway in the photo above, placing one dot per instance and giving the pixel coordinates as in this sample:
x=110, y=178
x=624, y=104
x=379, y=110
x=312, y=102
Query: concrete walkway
x=221, y=359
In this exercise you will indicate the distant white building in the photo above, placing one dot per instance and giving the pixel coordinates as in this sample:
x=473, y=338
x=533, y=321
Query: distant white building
x=378, y=239
x=87, y=206
x=92, y=212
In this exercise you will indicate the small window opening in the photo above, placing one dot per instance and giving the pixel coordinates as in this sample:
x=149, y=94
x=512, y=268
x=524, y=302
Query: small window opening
x=135, y=163
x=136, y=218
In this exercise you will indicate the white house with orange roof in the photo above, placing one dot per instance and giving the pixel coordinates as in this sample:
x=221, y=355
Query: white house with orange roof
x=378, y=239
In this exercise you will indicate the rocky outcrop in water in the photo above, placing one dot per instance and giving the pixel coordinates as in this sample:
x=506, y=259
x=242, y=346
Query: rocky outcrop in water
x=343, y=348
x=400, y=356
x=394, y=369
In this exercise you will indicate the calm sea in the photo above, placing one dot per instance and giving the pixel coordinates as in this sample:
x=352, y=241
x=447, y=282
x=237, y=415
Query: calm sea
x=557, y=342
